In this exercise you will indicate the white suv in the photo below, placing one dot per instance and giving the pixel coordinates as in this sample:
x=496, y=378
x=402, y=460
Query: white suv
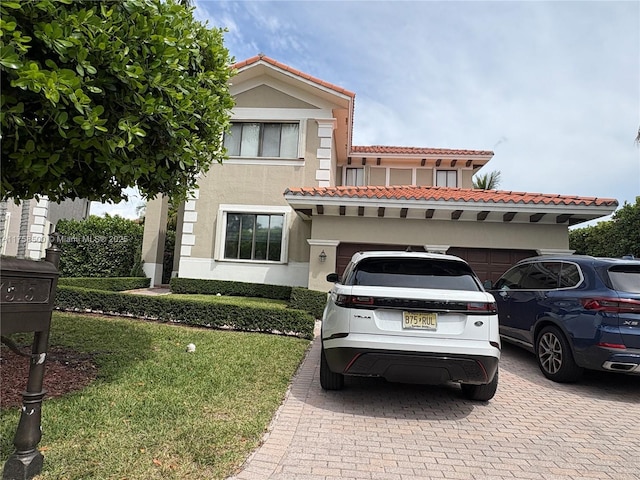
x=411, y=317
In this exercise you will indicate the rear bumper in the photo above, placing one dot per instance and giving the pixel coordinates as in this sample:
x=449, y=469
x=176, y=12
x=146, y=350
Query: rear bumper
x=611, y=359
x=412, y=367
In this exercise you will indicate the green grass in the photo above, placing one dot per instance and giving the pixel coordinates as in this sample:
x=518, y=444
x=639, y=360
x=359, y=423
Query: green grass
x=156, y=411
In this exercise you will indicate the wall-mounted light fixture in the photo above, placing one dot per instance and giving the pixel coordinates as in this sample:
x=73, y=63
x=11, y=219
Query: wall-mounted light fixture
x=322, y=256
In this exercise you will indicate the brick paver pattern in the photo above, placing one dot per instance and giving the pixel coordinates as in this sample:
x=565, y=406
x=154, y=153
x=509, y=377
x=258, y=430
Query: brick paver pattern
x=532, y=429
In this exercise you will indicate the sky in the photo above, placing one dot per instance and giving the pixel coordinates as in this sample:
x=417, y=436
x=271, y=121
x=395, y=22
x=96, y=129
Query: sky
x=552, y=88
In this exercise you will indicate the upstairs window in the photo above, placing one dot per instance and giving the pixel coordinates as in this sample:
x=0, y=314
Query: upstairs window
x=354, y=177
x=447, y=178
x=260, y=139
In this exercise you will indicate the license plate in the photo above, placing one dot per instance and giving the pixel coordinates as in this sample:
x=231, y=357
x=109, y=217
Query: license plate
x=426, y=321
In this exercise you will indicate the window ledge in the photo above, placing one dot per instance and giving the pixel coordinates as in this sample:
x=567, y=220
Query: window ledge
x=273, y=161
x=254, y=262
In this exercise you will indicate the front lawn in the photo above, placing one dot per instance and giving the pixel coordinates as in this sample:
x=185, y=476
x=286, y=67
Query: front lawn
x=156, y=411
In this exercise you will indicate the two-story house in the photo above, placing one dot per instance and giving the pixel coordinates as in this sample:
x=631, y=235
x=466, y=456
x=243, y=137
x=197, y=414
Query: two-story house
x=296, y=199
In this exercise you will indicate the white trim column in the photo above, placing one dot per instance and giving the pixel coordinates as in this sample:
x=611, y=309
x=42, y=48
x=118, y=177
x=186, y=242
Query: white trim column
x=37, y=235
x=188, y=239
x=324, y=152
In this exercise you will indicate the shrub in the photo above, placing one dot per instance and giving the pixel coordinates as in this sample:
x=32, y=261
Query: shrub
x=188, y=311
x=311, y=301
x=223, y=287
x=99, y=247
x=110, y=284
x=300, y=298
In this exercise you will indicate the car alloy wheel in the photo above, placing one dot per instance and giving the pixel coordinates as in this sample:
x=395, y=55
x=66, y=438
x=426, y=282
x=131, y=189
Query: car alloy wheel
x=550, y=353
x=554, y=356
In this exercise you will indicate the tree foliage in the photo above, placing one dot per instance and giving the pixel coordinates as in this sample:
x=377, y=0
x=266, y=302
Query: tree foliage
x=614, y=238
x=99, y=96
x=487, y=181
x=100, y=247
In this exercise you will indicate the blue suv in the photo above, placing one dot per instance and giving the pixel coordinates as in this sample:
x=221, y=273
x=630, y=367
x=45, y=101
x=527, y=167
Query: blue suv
x=573, y=312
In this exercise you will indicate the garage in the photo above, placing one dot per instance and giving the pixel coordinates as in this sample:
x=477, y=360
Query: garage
x=488, y=263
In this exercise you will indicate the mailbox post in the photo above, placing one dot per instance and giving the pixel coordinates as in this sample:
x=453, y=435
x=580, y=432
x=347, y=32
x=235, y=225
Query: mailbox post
x=26, y=304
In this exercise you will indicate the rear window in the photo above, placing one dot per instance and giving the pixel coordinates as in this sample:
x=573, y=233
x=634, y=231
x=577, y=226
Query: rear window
x=625, y=278
x=414, y=273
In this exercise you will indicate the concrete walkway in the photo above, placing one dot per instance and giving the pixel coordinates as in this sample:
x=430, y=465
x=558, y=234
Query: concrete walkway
x=532, y=429
x=150, y=291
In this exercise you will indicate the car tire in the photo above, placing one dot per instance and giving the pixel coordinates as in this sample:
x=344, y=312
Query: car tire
x=555, y=358
x=329, y=380
x=481, y=392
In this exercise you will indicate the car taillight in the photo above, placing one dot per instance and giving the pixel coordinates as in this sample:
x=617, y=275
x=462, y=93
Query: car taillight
x=353, y=300
x=487, y=307
x=612, y=345
x=612, y=305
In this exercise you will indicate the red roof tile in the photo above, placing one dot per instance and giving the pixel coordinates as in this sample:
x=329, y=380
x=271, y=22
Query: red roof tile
x=449, y=194
x=380, y=149
x=287, y=68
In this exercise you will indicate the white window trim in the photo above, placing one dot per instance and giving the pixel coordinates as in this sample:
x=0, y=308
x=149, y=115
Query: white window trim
x=296, y=161
x=221, y=231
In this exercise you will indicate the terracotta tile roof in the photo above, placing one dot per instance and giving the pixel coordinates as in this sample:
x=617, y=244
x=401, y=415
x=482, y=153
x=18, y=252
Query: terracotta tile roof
x=294, y=71
x=380, y=149
x=449, y=194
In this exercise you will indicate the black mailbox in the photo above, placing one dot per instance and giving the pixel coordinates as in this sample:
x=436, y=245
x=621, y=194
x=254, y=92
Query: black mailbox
x=26, y=303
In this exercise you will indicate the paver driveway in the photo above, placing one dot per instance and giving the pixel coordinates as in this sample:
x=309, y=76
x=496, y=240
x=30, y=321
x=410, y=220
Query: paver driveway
x=532, y=429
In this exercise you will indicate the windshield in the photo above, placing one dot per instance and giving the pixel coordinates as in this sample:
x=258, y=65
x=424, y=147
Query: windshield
x=625, y=278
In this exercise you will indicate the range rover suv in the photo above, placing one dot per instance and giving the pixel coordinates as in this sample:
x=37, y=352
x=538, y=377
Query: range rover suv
x=410, y=317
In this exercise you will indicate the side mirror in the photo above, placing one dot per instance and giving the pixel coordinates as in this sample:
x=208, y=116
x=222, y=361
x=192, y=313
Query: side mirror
x=333, y=278
x=487, y=285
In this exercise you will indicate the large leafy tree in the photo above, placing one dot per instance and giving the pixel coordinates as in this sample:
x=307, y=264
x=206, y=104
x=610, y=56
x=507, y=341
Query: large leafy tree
x=99, y=96
x=614, y=238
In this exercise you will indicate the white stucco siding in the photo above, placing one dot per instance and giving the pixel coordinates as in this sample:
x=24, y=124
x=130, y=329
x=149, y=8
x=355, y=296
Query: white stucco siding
x=292, y=274
x=435, y=232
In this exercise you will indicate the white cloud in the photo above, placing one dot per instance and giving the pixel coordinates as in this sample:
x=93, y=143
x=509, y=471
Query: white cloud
x=125, y=209
x=551, y=87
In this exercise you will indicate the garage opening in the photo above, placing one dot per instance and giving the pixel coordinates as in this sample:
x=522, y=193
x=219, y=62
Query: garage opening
x=488, y=263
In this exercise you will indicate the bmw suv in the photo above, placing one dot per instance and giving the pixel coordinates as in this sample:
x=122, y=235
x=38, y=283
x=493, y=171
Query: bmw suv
x=574, y=312
x=410, y=317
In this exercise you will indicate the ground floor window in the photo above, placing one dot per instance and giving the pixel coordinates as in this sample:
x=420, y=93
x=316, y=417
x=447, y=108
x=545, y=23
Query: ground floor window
x=249, y=234
x=253, y=237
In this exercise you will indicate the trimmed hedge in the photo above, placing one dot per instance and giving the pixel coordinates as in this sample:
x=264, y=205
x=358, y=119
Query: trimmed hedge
x=299, y=298
x=114, y=284
x=100, y=247
x=311, y=301
x=187, y=311
x=223, y=287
